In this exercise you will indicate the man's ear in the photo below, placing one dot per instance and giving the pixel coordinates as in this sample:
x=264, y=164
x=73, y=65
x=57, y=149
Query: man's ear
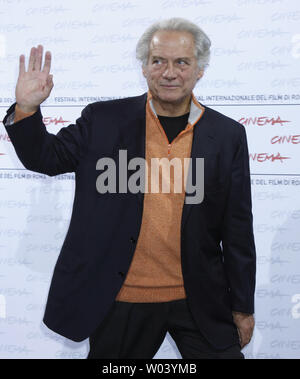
x=200, y=74
x=144, y=70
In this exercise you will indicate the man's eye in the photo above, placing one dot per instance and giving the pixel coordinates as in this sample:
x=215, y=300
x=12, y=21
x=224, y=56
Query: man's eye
x=157, y=61
x=181, y=62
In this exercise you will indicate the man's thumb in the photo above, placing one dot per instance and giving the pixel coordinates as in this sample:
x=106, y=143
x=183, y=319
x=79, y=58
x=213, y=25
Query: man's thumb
x=50, y=81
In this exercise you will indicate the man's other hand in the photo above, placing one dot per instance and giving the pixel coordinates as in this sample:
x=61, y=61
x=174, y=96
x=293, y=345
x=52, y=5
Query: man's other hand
x=245, y=325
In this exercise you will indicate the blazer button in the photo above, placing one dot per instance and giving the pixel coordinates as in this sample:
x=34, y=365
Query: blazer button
x=132, y=240
x=121, y=273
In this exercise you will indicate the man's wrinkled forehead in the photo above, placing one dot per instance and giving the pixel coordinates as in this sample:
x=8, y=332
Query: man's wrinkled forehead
x=172, y=43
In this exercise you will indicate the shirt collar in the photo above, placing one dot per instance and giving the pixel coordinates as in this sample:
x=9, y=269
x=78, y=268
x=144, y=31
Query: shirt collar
x=196, y=109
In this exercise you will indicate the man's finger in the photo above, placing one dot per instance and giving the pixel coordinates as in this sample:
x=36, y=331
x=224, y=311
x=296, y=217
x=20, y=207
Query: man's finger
x=47, y=64
x=32, y=59
x=246, y=339
x=22, y=65
x=49, y=81
x=39, y=57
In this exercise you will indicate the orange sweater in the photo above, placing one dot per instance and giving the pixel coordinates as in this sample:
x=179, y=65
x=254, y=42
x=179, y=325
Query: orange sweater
x=155, y=273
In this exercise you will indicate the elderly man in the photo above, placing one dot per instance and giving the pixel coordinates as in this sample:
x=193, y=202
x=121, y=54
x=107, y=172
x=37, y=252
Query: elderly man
x=136, y=265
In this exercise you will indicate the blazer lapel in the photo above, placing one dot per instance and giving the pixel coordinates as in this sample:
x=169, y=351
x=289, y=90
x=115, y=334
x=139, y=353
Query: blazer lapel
x=203, y=144
x=134, y=137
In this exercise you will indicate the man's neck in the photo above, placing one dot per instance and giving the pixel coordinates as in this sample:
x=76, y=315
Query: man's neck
x=171, y=109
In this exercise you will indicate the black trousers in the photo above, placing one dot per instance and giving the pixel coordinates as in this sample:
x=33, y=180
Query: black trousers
x=137, y=330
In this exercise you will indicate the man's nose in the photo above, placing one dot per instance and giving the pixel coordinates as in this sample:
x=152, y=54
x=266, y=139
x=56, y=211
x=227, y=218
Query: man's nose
x=170, y=72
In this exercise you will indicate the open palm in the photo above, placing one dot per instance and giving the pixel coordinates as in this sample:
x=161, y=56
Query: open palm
x=35, y=84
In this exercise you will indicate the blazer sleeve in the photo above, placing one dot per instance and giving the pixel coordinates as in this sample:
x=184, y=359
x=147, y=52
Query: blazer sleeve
x=45, y=152
x=237, y=232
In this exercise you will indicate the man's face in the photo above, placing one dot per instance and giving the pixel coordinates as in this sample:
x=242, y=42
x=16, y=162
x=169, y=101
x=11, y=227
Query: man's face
x=172, y=71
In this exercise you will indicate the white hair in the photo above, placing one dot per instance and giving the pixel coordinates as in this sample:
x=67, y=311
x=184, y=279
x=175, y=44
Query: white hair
x=202, y=42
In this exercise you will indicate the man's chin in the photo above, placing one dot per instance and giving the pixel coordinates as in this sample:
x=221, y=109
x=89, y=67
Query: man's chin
x=170, y=98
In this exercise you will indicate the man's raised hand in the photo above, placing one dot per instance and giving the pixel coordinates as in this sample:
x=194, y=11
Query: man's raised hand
x=34, y=85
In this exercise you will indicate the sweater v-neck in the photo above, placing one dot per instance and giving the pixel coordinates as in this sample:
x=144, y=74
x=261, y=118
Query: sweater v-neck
x=173, y=125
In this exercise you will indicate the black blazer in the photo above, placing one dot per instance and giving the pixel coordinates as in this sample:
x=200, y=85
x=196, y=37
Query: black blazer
x=217, y=244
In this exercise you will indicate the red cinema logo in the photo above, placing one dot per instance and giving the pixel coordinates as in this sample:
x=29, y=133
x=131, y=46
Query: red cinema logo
x=4, y=137
x=55, y=121
x=264, y=157
x=294, y=139
x=262, y=121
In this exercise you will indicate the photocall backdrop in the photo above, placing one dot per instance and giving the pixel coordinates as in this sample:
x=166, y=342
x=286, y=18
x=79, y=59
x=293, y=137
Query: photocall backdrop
x=253, y=77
